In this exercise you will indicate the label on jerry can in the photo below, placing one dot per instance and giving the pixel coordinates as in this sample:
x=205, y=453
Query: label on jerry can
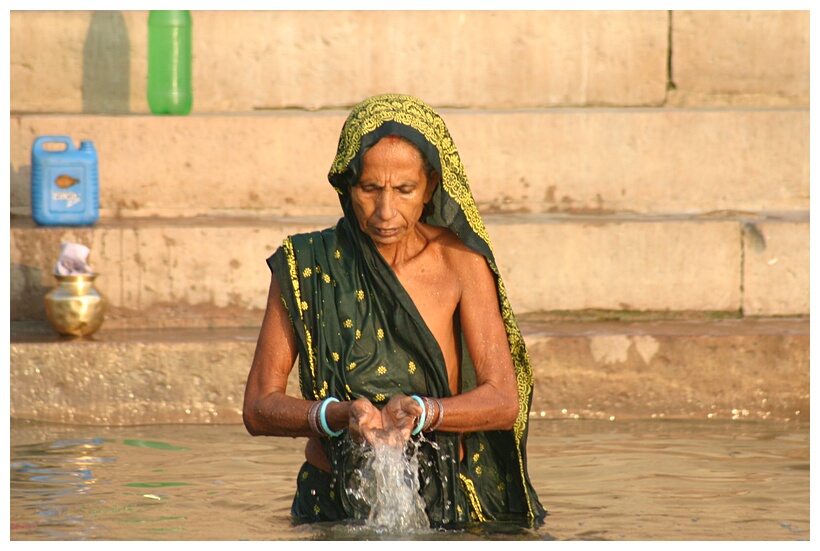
x=64, y=184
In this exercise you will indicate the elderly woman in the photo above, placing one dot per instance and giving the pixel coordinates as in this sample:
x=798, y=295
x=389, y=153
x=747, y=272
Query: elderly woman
x=402, y=327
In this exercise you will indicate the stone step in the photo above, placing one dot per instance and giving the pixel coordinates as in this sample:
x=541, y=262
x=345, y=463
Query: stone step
x=164, y=272
x=747, y=369
x=95, y=61
x=539, y=160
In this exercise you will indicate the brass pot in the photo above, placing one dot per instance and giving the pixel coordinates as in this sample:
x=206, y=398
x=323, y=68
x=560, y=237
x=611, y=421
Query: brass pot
x=75, y=307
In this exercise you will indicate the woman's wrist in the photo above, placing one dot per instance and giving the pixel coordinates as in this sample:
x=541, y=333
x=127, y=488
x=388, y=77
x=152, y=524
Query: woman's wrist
x=432, y=416
x=422, y=419
x=338, y=415
x=328, y=417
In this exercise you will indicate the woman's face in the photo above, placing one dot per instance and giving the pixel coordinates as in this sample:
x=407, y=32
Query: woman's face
x=389, y=198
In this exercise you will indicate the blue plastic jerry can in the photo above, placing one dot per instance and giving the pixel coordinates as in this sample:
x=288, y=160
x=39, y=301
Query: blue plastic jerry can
x=65, y=189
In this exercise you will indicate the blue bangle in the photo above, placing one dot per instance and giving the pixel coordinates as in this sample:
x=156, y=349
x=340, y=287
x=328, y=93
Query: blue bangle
x=423, y=415
x=322, y=418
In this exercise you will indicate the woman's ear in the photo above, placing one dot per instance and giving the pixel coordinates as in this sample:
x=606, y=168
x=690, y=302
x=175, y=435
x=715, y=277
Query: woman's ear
x=433, y=180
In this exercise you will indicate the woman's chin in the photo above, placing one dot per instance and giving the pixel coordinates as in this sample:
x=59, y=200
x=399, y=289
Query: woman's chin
x=385, y=237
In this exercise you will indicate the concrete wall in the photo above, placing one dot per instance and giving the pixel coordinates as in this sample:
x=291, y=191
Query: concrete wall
x=555, y=160
x=659, y=160
x=95, y=62
x=647, y=166
x=758, y=58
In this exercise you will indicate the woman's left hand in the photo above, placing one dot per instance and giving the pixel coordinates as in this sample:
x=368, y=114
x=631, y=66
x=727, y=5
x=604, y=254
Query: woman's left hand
x=393, y=424
x=401, y=415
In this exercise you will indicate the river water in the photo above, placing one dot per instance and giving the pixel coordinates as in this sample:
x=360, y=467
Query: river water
x=623, y=480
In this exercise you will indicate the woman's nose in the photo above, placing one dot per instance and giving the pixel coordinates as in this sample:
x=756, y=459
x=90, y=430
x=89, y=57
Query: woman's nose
x=386, y=207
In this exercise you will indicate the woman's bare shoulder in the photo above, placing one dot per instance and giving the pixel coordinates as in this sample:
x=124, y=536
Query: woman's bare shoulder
x=444, y=239
x=459, y=257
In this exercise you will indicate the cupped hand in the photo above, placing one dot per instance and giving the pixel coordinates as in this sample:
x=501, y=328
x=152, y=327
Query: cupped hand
x=364, y=420
x=401, y=415
x=392, y=425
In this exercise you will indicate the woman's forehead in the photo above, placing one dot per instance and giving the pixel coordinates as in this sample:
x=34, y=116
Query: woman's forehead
x=394, y=149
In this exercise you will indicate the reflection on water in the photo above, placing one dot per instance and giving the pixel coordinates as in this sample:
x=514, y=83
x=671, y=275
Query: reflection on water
x=622, y=480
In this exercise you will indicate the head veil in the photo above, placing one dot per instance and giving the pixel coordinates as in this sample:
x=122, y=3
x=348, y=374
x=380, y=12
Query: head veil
x=452, y=206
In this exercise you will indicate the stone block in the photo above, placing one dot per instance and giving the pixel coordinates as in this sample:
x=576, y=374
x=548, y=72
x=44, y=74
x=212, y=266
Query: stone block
x=128, y=380
x=95, y=62
x=625, y=266
x=145, y=265
x=776, y=268
x=575, y=161
x=547, y=264
x=749, y=370
x=740, y=58
x=733, y=369
x=188, y=166
x=636, y=160
x=46, y=67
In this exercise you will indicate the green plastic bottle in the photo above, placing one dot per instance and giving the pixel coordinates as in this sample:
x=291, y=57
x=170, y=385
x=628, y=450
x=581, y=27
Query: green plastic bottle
x=169, y=62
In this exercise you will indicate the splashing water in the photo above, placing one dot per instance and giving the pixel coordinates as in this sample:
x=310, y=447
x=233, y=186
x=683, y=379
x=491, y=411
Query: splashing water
x=388, y=482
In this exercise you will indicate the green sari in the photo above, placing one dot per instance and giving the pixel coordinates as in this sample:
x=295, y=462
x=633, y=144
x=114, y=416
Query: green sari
x=360, y=335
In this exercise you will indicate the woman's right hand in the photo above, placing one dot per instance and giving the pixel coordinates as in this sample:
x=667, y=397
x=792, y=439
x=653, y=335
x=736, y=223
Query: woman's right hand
x=365, y=421
x=392, y=425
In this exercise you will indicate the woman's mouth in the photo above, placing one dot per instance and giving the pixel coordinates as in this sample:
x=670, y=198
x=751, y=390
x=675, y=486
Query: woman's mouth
x=385, y=232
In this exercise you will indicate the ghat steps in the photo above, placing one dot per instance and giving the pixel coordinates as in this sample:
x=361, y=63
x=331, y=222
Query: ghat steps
x=648, y=202
x=732, y=264
x=728, y=369
x=185, y=269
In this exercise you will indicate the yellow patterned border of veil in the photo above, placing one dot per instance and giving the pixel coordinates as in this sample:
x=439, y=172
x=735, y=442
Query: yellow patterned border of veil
x=407, y=110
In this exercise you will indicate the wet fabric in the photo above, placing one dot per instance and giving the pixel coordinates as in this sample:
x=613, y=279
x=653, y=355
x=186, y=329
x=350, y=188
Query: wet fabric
x=315, y=499
x=360, y=335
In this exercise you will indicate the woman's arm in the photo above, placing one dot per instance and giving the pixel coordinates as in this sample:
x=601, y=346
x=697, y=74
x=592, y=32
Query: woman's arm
x=267, y=409
x=493, y=404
